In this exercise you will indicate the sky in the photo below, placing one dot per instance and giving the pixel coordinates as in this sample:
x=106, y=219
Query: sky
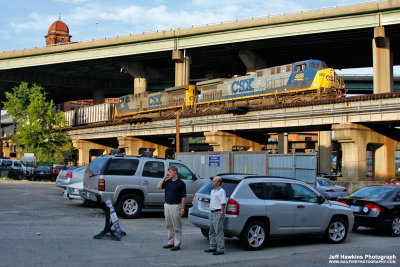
x=23, y=23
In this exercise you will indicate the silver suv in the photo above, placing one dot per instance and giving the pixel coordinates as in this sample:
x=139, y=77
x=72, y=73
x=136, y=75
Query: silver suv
x=131, y=182
x=260, y=207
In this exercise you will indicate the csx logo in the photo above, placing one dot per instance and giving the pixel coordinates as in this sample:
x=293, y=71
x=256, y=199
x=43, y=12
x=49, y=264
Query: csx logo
x=242, y=85
x=155, y=100
x=299, y=77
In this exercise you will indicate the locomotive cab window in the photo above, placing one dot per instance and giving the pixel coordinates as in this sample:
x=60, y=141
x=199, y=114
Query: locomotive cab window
x=298, y=68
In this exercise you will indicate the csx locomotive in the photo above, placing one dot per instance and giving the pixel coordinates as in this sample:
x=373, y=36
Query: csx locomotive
x=301, y=81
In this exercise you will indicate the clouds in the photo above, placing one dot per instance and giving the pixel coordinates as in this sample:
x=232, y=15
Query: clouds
x=35, y=22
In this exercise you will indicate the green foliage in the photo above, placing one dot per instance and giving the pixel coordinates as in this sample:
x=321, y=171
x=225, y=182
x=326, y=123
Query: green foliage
x=38, y=130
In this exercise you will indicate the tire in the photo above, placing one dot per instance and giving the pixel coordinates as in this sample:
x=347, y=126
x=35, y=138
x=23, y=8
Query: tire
x=204, y=232
x=254, y=235
x=336, y=231
x=394, y=228
x=129, y=206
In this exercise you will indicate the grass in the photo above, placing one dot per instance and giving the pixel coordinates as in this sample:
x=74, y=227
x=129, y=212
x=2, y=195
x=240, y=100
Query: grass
x=6, y=179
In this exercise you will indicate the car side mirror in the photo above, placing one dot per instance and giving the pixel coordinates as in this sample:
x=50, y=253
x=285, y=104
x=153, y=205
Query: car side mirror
x=195, y=177
x=320, y=199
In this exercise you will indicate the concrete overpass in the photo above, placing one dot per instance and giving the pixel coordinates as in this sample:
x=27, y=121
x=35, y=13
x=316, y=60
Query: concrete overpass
x=341, y=37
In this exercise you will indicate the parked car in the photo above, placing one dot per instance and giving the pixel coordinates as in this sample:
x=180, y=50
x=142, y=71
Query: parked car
x=260, y=207
x=376, y=207
x=13, y=168
x=72, y=191
x=70, y=176
x=57, y=169
x=395, y=181
x=131, y=182
x=42, y=172
x=329, y=190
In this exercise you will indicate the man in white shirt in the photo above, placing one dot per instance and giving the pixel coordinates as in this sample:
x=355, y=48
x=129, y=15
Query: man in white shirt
x=217, y=208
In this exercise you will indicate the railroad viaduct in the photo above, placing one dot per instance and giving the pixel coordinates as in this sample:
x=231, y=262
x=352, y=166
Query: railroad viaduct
x=352, y=36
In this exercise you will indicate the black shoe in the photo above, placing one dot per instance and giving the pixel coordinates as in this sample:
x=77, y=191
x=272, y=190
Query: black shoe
x=168, y=246
x=210, y=250
x=218, y=253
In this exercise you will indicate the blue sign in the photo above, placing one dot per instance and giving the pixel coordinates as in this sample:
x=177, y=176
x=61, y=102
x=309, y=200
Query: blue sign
x=214, y=160
x=113, y=216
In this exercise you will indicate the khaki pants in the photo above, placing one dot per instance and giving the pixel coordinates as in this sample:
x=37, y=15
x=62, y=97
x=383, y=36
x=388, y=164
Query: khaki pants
x=216, y=233
x=173, y=222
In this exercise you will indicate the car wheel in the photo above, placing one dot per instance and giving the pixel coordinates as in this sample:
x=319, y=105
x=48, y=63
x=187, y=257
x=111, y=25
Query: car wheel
x=129, y=206
x=254, y=235
x=336, y=231
x=205, y=232
x=395, y=227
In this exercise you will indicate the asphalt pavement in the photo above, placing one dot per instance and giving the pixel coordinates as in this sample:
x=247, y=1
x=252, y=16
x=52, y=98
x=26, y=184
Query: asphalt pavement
x=38, y=227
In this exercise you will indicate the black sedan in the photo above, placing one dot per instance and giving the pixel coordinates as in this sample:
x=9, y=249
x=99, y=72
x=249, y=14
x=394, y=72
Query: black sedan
x=43, y=172
x=376, y=207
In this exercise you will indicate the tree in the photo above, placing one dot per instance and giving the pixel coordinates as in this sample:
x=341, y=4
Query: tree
x=39, y=129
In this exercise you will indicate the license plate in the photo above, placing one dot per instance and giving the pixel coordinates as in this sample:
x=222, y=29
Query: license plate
x=205, y=205
x=355, y=208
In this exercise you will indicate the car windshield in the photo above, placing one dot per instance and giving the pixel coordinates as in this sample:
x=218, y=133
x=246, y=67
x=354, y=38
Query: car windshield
x=373, y=192
x=227, y=185
x=325, y=182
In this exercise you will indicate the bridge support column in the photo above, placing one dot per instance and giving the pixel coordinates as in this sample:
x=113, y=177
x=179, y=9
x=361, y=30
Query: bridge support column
x=87, y=150
x=182, y=67
x=133, y=145
x=324, y=152
x=223, y=141
x=138, y=71
x=283, y=143
x=382, y=62
x=354, y=139
x=252, y=61
x=98, y=97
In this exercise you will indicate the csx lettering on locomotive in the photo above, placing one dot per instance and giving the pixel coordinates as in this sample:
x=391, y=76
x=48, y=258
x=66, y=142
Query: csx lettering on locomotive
x=155, y=100
x=242, y=86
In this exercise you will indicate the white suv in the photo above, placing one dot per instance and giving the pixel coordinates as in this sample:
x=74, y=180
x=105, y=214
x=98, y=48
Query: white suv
x=260, y=207
x=131, y=182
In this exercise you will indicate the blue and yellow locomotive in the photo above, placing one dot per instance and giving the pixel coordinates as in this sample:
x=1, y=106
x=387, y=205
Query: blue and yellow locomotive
x=307, y=80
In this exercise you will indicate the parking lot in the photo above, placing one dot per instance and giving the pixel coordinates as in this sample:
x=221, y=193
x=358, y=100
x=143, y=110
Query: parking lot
x=39, y=227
